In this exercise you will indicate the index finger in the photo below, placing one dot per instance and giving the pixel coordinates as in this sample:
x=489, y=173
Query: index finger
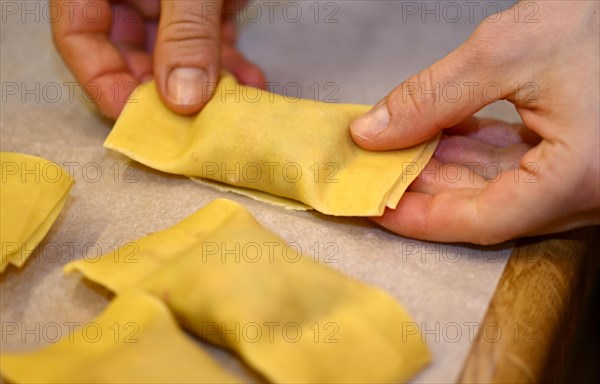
x=81, y=33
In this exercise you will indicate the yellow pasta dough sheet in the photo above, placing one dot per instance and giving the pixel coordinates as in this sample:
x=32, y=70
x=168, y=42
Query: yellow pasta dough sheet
x=135, y=340
x=32, y=194
x=237, y=285
x=289, y=148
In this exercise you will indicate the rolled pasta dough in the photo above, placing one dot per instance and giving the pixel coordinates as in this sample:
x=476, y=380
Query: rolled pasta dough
x=32, y=194
x=291, y=148
x=239, y=286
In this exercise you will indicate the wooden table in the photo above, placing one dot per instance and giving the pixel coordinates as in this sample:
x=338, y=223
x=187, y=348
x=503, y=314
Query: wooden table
x=529, y=327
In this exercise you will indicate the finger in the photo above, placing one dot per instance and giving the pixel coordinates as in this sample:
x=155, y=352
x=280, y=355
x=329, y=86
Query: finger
x=233, y=60
x=474, y=75
x=437, y=177
x=151, y=32
x=129, y=35
x=138, y=61
x=228, y=31
x=484, y=159
x=246, y=72
x=495, y=132
x=150, y=9
x=83, y=41
x=186, y=62
x=503, y=210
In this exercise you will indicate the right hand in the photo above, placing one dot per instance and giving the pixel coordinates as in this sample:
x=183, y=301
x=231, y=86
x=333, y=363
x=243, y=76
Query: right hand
x=548, y=169
x=111, y=47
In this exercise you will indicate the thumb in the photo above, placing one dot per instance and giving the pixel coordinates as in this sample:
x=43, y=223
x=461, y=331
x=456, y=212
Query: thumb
x=186, y=62
x=438, y=97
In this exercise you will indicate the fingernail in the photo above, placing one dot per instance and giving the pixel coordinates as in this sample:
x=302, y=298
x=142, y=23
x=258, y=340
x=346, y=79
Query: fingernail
x=372, y=123
x=184, y=85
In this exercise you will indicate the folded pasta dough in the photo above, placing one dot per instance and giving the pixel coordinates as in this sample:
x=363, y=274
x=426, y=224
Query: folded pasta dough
x=237, y=285
x=293, y=148
x=135, y=340
x=33, y=193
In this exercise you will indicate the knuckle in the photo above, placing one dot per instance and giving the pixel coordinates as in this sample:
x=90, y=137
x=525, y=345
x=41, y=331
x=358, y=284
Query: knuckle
x=185, y=32
x=195, y=15
x=414, y=101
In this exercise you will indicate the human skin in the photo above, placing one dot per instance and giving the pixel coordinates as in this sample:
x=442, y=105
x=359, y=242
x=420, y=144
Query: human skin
x=111, y=47
x=549, y=178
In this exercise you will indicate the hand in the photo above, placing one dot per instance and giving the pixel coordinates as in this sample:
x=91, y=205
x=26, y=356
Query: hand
x=111, y=47
x=549, y=70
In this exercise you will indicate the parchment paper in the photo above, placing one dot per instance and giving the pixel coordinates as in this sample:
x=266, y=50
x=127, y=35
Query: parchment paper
x=368, y=49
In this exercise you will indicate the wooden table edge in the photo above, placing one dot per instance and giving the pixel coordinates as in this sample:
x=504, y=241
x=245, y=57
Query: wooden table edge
x=526, y=333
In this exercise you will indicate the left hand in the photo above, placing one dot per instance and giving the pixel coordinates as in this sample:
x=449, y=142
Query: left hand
x=112, y=46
